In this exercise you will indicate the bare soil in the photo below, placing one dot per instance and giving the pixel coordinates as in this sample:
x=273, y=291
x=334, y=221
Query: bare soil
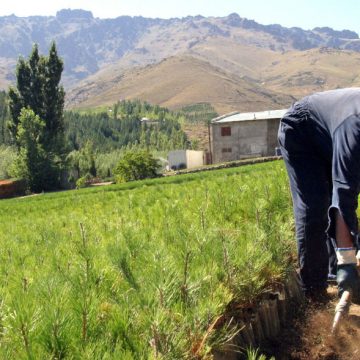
x=308, y=335
x=105, y=183
x=198, y=132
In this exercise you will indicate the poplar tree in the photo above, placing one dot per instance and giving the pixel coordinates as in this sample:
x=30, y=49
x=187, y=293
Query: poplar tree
x=31, y=163
x=38, y=88
x=4, y=138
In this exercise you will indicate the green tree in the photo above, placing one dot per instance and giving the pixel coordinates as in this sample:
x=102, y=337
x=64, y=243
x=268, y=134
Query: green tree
x=87, y=159
x=7, y=157
x=4, y=113
x=136, y=165
x=31, y=163
x=38, y=88
x=81, y=164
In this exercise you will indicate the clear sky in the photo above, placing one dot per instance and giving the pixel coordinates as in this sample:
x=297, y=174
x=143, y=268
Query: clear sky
x=307, y=14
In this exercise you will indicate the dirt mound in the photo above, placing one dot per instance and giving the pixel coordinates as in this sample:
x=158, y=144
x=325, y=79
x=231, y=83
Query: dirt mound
x=309, y=336
x=5, y=182
x=11, y=188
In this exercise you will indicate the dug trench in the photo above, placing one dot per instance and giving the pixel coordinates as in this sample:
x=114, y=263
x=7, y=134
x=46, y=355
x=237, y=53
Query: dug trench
x=288, y=327
x=307, y=335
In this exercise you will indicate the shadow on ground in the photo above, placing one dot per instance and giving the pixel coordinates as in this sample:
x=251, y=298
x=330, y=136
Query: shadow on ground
x=308, y=335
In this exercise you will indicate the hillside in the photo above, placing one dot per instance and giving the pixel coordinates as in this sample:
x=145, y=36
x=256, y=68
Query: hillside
x=291, y=72
x=176, y=82
x=300, y=73
x=242, y=78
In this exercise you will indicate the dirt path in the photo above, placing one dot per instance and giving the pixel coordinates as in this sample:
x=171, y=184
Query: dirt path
x=105, y=183
x=311, y=339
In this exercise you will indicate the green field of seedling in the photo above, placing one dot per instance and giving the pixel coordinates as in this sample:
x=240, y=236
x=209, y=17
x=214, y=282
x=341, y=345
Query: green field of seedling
x=141, y=270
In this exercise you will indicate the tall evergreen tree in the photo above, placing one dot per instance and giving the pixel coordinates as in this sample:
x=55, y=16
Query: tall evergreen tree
x=54, y=96
x=4, y=113
x=38, y=88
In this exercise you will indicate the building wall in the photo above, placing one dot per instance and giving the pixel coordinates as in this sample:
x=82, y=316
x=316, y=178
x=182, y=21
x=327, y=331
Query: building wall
x=177, y=159
x=253, y=138
x=273, y=127
x=194, y=158
x=185, y=159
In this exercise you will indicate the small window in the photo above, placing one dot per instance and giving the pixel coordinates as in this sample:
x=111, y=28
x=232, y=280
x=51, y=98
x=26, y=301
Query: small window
x=226, y=150
x=226, y=131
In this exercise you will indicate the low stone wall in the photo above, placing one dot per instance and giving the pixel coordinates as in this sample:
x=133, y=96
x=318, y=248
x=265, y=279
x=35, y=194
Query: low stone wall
x=225, y=165
x=12, y=188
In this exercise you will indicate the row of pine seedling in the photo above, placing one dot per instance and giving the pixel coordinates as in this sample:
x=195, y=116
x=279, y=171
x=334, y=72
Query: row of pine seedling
x=142, y=273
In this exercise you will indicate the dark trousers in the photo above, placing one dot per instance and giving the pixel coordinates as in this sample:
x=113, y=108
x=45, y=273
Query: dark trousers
x=310, y=184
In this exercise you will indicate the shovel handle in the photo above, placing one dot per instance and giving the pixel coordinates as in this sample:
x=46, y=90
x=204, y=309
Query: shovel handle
x=341, y=309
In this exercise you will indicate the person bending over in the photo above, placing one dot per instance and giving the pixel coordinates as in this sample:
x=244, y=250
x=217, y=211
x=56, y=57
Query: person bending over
x=319, y=137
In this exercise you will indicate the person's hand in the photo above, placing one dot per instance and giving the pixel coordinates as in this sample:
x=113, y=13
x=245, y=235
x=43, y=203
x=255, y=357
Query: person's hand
x=348, y=279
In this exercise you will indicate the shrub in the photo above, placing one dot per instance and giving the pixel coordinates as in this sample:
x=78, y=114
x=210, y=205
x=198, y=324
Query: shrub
x=84, y=181
x=106, y=162
x=136, y=165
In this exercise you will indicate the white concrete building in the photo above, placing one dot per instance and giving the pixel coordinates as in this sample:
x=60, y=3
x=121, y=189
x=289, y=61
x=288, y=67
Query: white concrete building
x=238, y=136
x=148, y=121
x=185, y=159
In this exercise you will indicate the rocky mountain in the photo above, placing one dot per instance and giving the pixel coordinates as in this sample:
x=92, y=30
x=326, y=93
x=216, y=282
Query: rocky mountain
x=176, y=82
x=87, y=43
x=108, y=59
x=238, y=78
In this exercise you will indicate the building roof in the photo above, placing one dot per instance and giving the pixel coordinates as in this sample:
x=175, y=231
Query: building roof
x=261, y=115
x=146, y=120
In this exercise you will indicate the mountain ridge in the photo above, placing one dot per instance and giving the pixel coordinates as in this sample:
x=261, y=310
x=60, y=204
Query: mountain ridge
x=87, y=43
x=244, y=65
x=194, y=81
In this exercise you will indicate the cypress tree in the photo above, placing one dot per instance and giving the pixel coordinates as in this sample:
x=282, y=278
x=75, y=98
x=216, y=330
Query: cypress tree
x=4, y=136
x=38, y=88
x=54, y=96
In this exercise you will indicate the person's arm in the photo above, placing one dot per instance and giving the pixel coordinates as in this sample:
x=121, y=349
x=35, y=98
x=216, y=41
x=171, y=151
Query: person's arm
x=342, y=233
x=347, y=275
x=343, y=226
x=343, y=220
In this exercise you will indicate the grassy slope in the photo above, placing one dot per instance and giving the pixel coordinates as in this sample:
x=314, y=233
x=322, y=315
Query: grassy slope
x=176, y=82
x=228, y=75
x=301, y=73
x=159, y=260
x=290, y=72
